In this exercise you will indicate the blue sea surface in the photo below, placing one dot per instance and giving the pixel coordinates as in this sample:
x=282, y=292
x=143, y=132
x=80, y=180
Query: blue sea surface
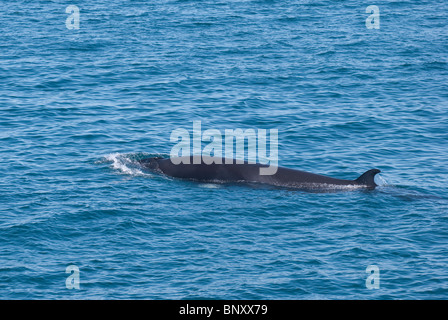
x=79, y=107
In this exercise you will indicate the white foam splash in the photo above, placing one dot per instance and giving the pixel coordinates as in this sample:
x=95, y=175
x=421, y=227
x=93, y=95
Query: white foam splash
x=380, y=181
x=210, y=185
x=124, y=164
x=328, y=186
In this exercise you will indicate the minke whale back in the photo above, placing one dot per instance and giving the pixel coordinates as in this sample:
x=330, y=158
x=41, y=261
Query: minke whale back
x=231, y=171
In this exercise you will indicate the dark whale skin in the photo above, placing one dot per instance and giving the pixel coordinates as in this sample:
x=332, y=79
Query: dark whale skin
x=250, y=172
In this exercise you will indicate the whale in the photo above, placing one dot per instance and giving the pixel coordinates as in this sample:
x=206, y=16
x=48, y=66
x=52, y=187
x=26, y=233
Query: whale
x=202, y=169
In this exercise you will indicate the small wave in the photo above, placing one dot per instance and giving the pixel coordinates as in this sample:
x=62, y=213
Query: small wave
x=411, y=193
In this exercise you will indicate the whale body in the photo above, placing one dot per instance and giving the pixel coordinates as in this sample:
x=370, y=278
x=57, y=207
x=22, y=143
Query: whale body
x=204, y=170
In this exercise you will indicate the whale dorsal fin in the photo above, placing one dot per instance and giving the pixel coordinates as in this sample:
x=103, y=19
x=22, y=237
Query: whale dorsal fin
x=368, y=178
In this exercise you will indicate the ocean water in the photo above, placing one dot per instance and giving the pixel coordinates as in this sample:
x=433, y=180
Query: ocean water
x=78, y=107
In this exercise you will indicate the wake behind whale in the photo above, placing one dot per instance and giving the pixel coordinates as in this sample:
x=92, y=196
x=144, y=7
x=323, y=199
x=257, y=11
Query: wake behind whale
x=204, y=169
